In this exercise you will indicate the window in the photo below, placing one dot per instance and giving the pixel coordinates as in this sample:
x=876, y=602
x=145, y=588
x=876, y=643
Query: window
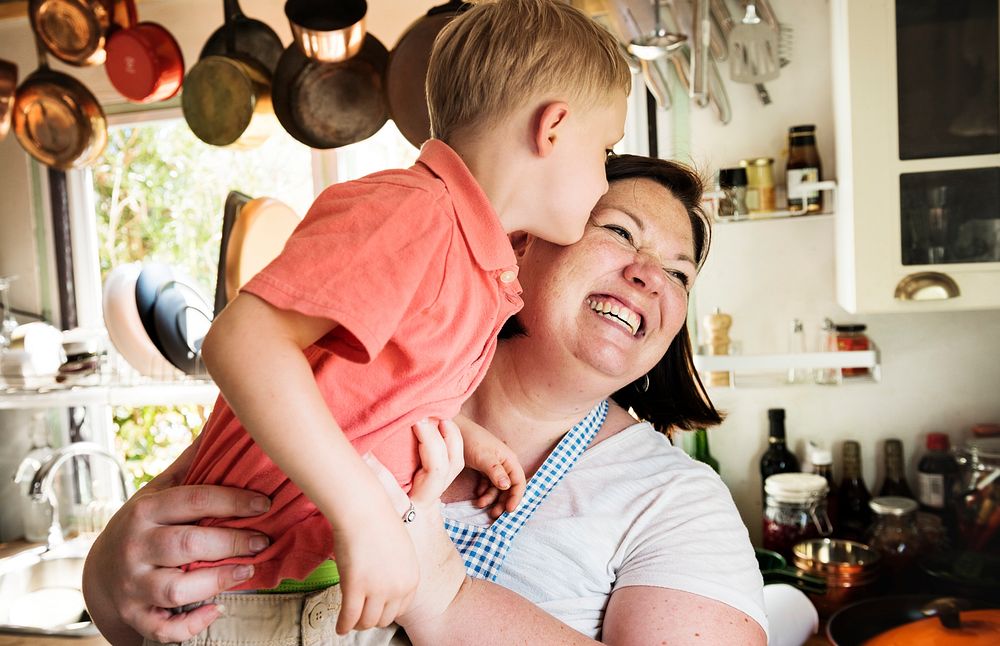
x=157, y=194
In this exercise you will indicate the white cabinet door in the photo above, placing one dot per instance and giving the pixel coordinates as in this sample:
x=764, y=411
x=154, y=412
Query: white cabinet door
x=918, y=154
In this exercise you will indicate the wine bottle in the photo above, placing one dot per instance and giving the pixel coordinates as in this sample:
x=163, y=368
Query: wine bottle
x=701, y=452
x=854, y=514
x=894, y=483
x=777, y=458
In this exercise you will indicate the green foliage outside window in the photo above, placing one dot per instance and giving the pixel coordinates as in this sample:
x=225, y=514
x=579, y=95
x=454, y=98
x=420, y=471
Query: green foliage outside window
x=159, y=194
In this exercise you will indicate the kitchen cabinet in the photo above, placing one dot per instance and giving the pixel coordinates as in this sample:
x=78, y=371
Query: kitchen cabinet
x=917, y=120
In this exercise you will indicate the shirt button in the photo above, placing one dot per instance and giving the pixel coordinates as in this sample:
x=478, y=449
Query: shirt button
x=508, y=277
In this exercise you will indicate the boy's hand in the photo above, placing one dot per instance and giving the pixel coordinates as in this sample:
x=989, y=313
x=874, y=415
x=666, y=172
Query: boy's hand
x=503, y=482
x=378, y=568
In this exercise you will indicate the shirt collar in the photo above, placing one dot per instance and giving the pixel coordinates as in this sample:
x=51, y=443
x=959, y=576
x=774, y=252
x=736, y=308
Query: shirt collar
x=478, y=220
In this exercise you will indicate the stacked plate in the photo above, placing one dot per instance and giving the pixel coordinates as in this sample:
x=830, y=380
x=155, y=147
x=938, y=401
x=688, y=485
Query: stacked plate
x=156, y=321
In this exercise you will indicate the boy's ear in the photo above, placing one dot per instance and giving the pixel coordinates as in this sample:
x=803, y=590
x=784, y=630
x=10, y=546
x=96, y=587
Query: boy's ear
x=548, y=126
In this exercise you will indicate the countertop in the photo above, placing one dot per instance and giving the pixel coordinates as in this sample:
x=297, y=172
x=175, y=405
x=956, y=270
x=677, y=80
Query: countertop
x=9, y=549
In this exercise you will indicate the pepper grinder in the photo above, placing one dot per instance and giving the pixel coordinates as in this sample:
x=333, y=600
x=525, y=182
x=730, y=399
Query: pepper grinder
x=717, y=325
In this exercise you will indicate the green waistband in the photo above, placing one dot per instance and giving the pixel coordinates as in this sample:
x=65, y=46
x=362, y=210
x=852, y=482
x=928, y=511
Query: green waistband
x=324, y=576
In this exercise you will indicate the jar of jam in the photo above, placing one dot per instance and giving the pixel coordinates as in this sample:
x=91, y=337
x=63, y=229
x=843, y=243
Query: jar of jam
x=895, y=535
x=851, y=337
x=794, y=510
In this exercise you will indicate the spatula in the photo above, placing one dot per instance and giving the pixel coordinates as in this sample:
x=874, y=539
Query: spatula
x=753, y=49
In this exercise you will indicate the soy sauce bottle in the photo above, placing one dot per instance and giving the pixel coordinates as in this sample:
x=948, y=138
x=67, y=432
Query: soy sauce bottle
x=803, y=166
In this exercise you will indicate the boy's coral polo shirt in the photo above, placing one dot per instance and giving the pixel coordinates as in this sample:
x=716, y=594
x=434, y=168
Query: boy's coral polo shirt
x=416, y=269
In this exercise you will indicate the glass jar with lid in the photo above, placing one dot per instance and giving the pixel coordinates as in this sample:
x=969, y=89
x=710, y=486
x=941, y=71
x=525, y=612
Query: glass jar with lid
x=895, y=536
x=977, y=500
x=851, y=337
x=794, y=510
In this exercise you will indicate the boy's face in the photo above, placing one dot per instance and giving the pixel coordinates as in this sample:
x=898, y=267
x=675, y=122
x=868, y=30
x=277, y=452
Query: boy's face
x=575, y=177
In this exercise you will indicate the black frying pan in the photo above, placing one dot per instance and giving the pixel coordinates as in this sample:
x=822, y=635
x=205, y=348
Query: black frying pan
x=251, y=38
x=328, y=105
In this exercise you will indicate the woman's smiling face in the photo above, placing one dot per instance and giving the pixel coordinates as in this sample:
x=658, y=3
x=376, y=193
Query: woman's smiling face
x=615, y=299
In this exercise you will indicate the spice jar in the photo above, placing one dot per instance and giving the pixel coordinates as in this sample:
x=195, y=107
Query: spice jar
x=733, y=184
x=760, y=183
x=803, y=166
x=794, y=510
x=895, y=536
x=851, y=338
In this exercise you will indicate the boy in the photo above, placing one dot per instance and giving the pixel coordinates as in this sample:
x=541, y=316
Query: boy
x=383, y=308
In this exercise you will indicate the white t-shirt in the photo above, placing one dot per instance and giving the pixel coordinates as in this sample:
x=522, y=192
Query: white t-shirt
x=634, y=510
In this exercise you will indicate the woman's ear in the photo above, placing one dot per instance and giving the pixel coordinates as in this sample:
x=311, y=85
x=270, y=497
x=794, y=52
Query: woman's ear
x=548, y=126
x=519, y=240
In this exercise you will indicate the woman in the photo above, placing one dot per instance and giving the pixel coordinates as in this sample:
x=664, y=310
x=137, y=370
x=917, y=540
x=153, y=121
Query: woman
x=636, y=544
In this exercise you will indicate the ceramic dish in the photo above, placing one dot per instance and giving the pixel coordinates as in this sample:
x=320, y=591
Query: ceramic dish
x=121, y=317
x=258, y=236
x=182, y=317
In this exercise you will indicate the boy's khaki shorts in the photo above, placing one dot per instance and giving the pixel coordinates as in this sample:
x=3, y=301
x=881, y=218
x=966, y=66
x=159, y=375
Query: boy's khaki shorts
x=289, y=619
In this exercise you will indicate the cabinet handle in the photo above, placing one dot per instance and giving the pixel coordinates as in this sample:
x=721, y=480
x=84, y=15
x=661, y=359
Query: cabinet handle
x=927, y=286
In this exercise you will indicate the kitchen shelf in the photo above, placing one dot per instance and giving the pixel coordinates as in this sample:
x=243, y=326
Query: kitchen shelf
x=830, y=186
x=180, y=391
x=772, y=369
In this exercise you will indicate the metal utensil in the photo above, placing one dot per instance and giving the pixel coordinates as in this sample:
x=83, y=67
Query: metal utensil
x=701, y=31
x=657, y=43
x=753, y=49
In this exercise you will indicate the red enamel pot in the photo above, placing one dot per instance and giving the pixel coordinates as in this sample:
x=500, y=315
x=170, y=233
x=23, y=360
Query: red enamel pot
x=145, y=63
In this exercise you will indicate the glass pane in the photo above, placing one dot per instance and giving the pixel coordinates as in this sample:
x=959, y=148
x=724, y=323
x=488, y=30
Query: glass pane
x=947, y=57
x=950, y=216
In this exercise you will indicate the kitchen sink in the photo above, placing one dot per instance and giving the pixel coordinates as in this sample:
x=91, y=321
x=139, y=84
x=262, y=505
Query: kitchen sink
x=40, y=593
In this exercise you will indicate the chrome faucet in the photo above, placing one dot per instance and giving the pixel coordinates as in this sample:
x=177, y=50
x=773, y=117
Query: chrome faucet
x=42, y=488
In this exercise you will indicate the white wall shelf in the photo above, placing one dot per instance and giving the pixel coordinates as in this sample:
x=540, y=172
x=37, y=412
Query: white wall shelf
x=140, y=394
x=772, y=369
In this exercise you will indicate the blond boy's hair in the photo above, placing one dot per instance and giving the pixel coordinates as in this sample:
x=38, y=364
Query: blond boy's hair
x=500, y=53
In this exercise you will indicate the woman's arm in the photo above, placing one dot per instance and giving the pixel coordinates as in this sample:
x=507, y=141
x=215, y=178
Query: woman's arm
x=646, y=615
x=132, y=571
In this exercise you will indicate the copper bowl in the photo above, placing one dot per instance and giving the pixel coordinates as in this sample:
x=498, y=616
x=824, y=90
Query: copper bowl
x=852, y=571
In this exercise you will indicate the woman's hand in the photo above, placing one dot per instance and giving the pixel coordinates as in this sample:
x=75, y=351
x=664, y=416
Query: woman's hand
x=132, y=572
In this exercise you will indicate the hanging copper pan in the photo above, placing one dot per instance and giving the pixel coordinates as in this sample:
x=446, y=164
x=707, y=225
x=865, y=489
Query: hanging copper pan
x=253, y=39
x=73, y=30
x=328, y=105
x=8, y=85
x=57, y=120
x=327, y=31
x=227, y=99
x=145, y=63
x=406, y=76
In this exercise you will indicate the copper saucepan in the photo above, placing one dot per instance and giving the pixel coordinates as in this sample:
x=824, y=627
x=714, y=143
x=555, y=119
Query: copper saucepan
x=227, y=99
x=406, y=76
x=327, y=31
x=57, y=120
x=8, y=85
x=74, y=31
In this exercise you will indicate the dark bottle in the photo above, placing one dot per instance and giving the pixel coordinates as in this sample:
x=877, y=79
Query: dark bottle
x=853, y=513
x=822, y=465
x=803, y=166
x=936, y=476
x=894, y=483
x=701, y=452
x=777, y=458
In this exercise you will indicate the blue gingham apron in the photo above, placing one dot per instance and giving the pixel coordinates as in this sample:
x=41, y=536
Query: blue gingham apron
x=484, y=548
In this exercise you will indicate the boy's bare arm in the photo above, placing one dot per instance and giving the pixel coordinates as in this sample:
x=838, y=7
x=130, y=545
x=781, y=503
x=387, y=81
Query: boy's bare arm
x=254, y=352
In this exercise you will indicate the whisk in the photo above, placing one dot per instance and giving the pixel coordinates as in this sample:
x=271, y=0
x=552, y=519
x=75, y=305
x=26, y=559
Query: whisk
x=753, y=49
